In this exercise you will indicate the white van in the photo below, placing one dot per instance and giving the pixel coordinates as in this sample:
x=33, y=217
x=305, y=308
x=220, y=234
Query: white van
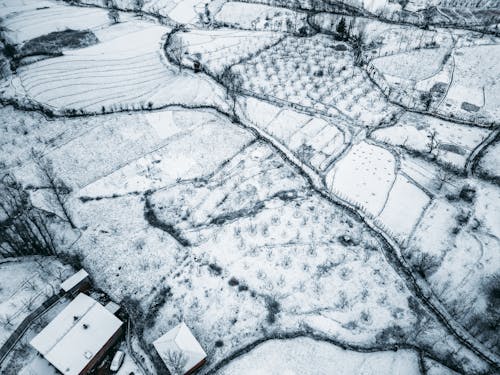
x=117, y=361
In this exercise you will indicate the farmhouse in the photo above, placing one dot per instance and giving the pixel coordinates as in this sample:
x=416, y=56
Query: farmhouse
x=180, y=351
x=79, y=336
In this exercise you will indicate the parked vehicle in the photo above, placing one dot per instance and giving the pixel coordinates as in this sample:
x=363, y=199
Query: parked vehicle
x=117, y=361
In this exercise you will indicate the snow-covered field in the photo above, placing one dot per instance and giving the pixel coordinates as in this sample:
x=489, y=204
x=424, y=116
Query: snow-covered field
x=124, y=73
x=461, y=77
x=452, y=143
x=475, y=80
x=310, y=192
x=261, y=17
x=316, y=141
x=296, y=355
x=217, y=50
x=490, y=161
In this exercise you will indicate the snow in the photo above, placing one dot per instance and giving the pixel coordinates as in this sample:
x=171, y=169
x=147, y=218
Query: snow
x=404, y=206
x=31, y=23
x=365, y=175
x=435, y=368
x=37, y=131
x=476, y=76
x=315, y=140
x=39, y=366
x=221, y=48
x=460, y=236
x=186, y=11
x=98, y=78
x=296, y=356
x=414, y=65
x=312, y=73
x=454, y=142
x=76, y=335
x=193, y=144
x=260, y=17
x=114, y=143
x=129, y=366
x=490, y=162
x=191, y=205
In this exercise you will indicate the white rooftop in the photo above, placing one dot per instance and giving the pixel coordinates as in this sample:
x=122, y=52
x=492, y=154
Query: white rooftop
x=112, y=307
x=72, y=281
x=180, y=340
x=75, y=336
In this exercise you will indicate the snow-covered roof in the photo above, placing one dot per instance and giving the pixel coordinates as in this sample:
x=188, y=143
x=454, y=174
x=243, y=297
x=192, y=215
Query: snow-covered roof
x=112, y=307
x=74, y=280
x=180, y=340
x=76, y=335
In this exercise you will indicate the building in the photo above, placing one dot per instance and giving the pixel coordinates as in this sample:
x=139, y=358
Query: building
x=180, y=351
x=78, y=282
x=79, y=336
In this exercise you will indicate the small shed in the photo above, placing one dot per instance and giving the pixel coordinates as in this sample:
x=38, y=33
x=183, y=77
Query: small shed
x=78, y=282
x=180, y=351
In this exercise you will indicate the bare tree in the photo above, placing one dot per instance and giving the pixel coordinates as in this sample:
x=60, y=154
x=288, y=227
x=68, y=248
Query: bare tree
x=177, y=49
x=29, y=302
x=114, y=16
x=233, y=82
x=422, y=263
x=358, y=45
x=138, y=5
x=433, y=142
x=61, y=274
x=176, y=361
x=6, y=320
x=443, y=178
x=59, y=191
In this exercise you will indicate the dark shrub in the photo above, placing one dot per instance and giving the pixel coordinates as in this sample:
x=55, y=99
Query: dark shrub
x=214, y=268
x=53, y=43
x=273, y=308
x=219, y=344
x=468, y=194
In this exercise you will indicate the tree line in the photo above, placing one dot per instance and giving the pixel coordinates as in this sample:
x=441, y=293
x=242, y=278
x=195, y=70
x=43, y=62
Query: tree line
x=24, y=228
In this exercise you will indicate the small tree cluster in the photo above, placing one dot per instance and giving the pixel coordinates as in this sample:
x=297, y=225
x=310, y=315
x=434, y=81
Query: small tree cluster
x=177, y=48
x=233, y=82
x=24, y=229
x=341, y=29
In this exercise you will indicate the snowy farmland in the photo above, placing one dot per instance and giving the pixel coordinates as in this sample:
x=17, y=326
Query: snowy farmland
x=311, y=187
x=98, y=78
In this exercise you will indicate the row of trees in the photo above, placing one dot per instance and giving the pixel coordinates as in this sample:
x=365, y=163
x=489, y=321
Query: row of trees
x=24, y=228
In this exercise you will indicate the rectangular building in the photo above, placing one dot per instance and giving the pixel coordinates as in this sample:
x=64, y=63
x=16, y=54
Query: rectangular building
x=79, y=336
